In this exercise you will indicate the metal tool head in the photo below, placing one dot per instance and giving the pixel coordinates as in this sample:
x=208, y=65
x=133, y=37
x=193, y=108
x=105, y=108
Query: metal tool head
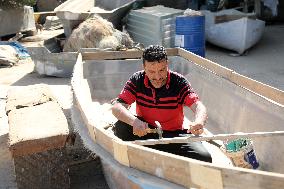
x=159, y=129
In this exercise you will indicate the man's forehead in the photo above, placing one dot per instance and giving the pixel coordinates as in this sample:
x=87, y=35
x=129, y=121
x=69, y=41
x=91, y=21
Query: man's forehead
x=163, y=62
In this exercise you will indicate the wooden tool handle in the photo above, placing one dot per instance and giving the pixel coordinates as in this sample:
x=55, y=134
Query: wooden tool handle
x=151, y=130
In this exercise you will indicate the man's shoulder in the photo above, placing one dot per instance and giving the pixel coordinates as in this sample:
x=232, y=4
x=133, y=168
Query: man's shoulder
x=178, y=78
x=137, y=76
x=176, y=74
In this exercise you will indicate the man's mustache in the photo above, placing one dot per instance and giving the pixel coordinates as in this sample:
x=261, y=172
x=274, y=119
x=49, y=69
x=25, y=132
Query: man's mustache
x=161, y=79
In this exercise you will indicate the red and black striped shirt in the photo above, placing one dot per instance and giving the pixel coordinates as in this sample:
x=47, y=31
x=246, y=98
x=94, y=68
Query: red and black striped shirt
x=164, y=104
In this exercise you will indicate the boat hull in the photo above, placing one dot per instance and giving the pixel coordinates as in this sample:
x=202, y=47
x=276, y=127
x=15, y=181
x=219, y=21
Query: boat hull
x=233, y=102
x=121, y=177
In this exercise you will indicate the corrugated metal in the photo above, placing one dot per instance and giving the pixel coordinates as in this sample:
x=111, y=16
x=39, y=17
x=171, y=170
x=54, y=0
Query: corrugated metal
x=153, y=25
x=177, y=4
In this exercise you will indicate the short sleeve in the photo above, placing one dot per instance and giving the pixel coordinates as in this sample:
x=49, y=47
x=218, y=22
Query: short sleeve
x=187, y=94
x=128, y=93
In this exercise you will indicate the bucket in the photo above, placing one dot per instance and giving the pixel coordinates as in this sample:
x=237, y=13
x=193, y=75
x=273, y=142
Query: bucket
x=241, y=152
x=190, y=34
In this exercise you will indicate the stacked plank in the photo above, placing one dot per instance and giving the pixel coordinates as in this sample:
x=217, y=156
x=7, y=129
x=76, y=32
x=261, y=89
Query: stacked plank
x=153, y=25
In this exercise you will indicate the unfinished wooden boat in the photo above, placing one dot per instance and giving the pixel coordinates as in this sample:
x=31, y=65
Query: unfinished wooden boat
x=235, y=103
x=233, y=30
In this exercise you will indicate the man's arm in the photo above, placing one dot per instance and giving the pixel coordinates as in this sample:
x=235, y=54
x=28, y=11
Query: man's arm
x=196, y=127
x=121, y=112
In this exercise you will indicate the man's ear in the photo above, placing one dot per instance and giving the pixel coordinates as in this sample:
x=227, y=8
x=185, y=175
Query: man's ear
x=168, y=64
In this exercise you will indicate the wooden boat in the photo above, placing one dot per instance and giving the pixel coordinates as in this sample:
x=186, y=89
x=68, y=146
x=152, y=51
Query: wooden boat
x=233, y=30
x=235, y=103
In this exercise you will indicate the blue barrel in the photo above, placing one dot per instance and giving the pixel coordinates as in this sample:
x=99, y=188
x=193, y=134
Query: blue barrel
x=190, y=34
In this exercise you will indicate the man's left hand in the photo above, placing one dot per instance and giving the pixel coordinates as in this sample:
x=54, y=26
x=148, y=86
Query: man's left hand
x=195, y=128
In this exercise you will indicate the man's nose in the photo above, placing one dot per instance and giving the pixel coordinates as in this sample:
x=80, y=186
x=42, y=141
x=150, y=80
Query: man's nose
x=157, y=76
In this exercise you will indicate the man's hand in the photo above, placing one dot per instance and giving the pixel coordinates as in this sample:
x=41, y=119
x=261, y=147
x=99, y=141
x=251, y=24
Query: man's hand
x=199, y=110
x=139, y=127
x=195, y=128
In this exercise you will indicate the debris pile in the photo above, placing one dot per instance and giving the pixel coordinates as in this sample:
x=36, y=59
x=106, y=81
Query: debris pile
x=11, y=53
x=96, y=32
x=190, y=12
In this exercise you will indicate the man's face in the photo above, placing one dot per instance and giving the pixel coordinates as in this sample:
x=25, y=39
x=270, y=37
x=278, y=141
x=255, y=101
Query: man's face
x=157, y=72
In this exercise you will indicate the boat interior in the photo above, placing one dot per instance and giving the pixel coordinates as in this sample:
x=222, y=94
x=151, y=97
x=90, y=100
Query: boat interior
x=231, y=107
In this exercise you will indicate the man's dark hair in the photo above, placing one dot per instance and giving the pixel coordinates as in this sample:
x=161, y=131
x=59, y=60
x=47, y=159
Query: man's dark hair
x=154, y=53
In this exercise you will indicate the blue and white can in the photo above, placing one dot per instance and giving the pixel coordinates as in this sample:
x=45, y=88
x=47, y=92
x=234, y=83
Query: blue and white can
x=250, y=157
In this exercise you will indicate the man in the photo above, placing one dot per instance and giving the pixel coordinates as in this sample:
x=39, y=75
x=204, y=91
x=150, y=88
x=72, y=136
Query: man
x=160, y=95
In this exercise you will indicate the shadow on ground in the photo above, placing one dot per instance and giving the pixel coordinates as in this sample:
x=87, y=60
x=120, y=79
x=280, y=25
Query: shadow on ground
x=34, y=78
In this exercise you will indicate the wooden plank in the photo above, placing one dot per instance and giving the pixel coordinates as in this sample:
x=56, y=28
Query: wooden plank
x=248, y=83
x=226, y=18
x=82, y=96
x=104, y=140
x=110, y=55
x=120, y=152
x=160, y=164
x=258, y=87
x=208, y=138
x=186, y=171
x=206, y=177
x=207, y=64
x=240, y=178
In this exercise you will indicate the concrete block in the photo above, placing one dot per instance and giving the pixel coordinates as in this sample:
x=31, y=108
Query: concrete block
x=28, y=96
x=37, y=128
x=22, y=19
x=37, y=122
x=38, y=133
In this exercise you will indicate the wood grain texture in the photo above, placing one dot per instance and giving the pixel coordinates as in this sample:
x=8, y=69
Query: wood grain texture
x=120, y=152
x=209, y=138
x=110, y=55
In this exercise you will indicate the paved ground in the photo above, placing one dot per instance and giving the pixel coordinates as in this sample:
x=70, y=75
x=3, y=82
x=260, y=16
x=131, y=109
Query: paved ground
x=264, y=62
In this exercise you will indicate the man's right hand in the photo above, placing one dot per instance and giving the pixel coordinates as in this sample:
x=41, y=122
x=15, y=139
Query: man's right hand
x=139, y=127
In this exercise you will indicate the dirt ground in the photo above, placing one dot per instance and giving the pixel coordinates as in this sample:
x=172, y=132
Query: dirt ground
x=84, y=174
x=264, y=62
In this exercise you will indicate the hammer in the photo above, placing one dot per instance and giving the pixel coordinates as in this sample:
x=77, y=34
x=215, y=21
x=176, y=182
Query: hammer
x=156, y=130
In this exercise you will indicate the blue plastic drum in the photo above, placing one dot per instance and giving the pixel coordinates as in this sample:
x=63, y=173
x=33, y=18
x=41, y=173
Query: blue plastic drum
x=190, y=34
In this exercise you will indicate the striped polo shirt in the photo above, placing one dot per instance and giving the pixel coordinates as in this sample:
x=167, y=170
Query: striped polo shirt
x=164, y=104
